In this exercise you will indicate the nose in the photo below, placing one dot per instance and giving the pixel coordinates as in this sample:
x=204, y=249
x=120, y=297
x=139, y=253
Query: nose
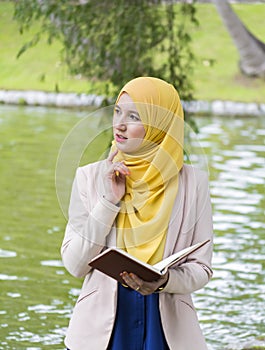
x=120, y=124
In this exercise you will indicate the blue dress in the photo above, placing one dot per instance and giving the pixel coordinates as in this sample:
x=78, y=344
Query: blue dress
x=137, y=325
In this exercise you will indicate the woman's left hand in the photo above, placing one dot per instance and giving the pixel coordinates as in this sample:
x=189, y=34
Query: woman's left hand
x=141, y=286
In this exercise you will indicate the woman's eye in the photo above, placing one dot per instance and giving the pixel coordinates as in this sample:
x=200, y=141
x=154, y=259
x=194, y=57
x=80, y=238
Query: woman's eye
x=116, y=110
x=134, y=117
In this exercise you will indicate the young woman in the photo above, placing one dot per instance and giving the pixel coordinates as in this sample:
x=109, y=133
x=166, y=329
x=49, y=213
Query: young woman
x=143, y=199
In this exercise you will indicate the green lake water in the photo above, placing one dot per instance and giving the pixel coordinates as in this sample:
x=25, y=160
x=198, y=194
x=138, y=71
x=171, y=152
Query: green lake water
x=37, y=294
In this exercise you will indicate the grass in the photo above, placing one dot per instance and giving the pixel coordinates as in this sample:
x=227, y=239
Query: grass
x=39, y=68
x=216, y=74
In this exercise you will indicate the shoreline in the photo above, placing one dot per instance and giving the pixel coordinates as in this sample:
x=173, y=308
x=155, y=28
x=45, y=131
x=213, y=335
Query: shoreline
x=76, y=100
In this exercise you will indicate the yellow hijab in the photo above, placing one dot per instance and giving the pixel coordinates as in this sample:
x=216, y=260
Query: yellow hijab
x=153, y=184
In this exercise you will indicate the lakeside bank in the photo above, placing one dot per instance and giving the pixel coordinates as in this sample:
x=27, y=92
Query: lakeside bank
x=75, y=100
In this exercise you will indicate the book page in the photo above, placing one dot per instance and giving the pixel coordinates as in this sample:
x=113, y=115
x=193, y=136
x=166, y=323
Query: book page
x=163, y=265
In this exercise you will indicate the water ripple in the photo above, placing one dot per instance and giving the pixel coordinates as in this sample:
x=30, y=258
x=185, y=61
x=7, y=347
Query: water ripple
x=4, y=277
x=7, y=254
x=52, y=263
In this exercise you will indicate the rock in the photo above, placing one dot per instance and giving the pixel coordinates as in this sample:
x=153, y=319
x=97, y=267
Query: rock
x=41, y=98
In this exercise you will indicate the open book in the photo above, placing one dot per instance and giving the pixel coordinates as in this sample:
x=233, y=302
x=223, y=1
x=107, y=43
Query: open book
x=113, y=261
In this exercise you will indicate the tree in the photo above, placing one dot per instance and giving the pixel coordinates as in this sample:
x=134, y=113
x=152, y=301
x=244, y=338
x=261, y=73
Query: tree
x=115, y=41
x=251, y=49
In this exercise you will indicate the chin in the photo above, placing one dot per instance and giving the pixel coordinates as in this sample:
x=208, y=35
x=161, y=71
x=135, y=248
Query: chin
x=127, y=148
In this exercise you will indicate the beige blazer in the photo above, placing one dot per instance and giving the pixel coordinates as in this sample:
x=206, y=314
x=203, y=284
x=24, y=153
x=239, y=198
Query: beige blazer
x=91, y=228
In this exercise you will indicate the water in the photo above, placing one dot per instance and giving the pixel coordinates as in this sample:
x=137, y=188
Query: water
x=232, y=305
x=37, y=294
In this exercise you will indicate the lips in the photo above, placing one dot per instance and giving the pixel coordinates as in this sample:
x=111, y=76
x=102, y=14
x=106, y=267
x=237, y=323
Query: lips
x=120, y=138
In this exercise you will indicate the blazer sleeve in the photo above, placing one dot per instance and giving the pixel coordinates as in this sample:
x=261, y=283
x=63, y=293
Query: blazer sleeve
x=87, y=227
x=195, y=272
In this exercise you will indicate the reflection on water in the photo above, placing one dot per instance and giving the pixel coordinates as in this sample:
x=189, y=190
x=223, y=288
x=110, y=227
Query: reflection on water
x=231, y=307
x=37, y=294
x=7, y=254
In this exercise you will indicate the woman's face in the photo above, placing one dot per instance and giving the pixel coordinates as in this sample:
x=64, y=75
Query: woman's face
x=128, y=129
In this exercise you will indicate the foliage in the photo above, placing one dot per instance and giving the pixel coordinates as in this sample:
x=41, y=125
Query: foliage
x=114, y=41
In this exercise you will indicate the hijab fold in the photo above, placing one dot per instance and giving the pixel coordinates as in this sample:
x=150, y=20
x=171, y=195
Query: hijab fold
x=152, y=187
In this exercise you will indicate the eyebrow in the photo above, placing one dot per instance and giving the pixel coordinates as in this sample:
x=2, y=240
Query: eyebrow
x=131, y=111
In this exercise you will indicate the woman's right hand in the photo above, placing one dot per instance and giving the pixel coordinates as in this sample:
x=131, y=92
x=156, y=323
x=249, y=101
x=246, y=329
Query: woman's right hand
x=114, y=179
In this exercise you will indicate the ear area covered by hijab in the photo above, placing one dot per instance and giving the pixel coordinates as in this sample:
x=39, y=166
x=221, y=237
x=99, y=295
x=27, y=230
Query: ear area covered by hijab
x=152, y=187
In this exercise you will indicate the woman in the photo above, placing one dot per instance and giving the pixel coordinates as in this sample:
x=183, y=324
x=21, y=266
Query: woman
x=145, y=201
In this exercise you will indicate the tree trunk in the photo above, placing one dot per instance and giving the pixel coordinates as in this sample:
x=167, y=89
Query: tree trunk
x=251, y=49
